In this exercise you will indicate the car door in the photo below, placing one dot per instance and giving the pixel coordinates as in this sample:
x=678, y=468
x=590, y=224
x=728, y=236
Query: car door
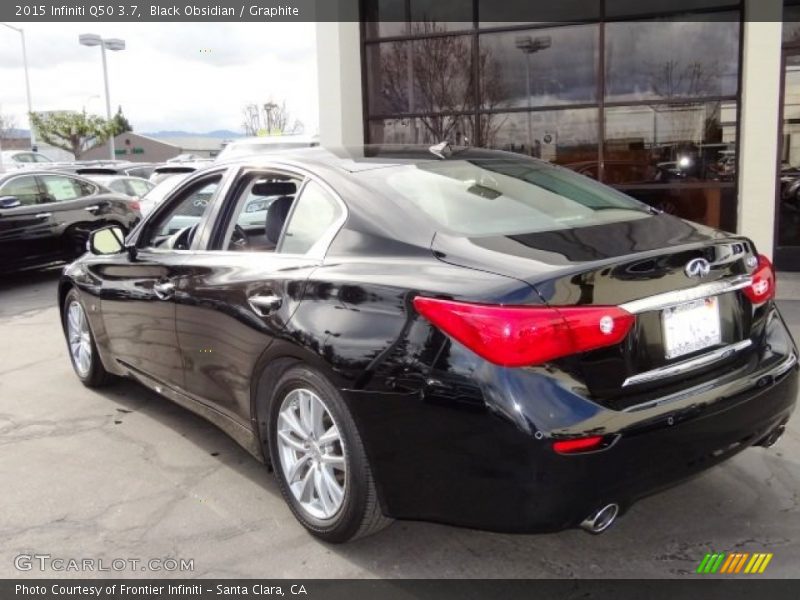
x=234, y=299
x=27, y=230
x=76, y=208
x=137, y=297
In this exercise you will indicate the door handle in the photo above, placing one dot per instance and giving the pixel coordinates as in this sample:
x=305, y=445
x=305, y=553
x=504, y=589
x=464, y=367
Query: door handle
x=164, y=290
x=43, y=215
x=263, y=305
x=92, y=208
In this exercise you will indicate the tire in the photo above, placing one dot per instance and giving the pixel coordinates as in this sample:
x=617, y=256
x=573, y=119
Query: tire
x=81, y=347
x=345, y=516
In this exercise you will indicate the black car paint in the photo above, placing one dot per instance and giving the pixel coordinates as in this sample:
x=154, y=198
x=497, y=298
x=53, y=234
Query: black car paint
x=36, y=234
x=450, y=437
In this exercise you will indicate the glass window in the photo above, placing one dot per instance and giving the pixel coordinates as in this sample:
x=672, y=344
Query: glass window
x=428, y=16
x=482, y=197
x=316, y=212
x=385, y=18
x=670, y=143
x=59, y=189
x=23, y=188
x=23, y=157
x=175, y=226
x=562, y=136
x=139, y=187
x=39, y=158
x=660, y=60
x=539, y=67
x=424, y=130
x=516, y=12
x=422, y=76
x=714, y=205
x=629, y=8
x=253, y=227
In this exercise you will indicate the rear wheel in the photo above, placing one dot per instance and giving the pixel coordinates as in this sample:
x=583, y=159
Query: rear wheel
x=319, y=459
x=81, y=345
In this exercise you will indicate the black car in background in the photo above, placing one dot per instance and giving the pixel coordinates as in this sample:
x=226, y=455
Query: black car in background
x=455, y=335
x=46, y=216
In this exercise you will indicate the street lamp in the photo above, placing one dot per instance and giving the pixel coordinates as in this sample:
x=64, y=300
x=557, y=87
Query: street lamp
x=268, y=108
x=114, y=44
x=529, y=46
x=21, y=32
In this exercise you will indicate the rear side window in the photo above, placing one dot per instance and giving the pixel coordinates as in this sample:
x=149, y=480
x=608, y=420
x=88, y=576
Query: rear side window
x=23, y=188
x=60, y=189
x=505, y=196
x=315, y=213
x=139, y=187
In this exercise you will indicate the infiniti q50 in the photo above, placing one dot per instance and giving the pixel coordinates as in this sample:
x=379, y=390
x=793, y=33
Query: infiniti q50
x=446, y=334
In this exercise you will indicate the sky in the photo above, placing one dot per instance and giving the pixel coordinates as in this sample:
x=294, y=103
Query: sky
x=194, y=77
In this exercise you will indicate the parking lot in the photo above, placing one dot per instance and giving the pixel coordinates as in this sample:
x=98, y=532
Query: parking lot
x=122, y=473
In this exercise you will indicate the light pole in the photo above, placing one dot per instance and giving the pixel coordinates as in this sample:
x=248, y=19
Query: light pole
x=529, y=46
x=114, y=44
x=268, y=108
x=21, y=32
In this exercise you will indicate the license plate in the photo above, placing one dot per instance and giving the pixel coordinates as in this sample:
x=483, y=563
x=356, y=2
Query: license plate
x=691, y=327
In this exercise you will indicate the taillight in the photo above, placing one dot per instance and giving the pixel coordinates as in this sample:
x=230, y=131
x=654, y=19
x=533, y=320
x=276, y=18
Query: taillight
x=516, y=336
x=763, y=286
x=134, y=204
x=585, y=444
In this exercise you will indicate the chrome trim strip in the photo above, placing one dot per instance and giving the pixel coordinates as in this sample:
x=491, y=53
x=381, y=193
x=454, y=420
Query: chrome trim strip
x=687, y=365
x=733, y=387
x=660, y=301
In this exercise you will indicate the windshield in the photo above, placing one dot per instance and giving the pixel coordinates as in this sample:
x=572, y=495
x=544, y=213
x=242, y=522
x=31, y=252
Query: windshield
x=506, y=196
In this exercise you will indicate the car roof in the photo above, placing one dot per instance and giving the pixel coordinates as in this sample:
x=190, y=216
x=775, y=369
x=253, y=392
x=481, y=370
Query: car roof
x=24, y=172
x=354, y=159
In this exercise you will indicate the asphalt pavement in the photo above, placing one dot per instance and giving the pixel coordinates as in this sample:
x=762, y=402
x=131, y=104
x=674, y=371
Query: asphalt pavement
x=122, y=474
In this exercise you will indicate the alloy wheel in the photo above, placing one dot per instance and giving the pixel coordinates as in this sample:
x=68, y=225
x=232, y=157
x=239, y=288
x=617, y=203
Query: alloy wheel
x=312, y=453
x=80, y=339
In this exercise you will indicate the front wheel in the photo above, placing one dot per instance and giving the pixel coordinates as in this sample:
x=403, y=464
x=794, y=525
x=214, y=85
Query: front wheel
x=319, y=459
x=81, y=345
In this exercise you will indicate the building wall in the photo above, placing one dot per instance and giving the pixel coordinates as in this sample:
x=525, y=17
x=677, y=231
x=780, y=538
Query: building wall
x=136, y=148
x=747, y=120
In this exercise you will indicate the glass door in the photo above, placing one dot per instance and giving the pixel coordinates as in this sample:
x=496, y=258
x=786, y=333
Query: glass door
x=787, y=228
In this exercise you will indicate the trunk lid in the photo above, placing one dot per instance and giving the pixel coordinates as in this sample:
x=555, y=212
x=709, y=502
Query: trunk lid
x=640, y=265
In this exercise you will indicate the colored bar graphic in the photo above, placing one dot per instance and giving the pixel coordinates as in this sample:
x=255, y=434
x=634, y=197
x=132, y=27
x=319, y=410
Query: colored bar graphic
x=734, y=563
x=701, y=568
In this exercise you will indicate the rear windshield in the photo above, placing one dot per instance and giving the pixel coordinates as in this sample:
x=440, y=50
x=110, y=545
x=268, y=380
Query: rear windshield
x=505, y=196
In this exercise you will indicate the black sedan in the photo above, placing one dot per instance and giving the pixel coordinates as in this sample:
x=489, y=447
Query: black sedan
x=446, y=334
x=46, y=216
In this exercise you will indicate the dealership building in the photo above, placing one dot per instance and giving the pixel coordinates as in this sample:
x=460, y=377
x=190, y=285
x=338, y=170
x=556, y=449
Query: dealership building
x=693, y=107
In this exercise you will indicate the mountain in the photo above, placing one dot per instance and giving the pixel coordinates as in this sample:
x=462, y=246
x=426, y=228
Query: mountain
x=217, y=133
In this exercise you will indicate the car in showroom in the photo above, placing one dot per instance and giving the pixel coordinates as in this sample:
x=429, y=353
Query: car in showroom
x=46, y=216
x=448, y=334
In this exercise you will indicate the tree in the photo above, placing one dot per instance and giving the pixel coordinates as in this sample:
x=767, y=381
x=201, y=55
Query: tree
x=7, y=124
x=71, y=131
x=438, y=78
x=120, y=122
x=270, y=118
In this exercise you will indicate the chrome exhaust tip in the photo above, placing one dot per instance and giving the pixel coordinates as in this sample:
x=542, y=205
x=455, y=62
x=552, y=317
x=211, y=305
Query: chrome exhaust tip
x=773, y=437
x=601, y=519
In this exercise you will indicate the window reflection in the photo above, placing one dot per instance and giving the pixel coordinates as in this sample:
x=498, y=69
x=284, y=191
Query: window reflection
x=421, y=76
x=427, y=130
x=541, y=67
x=675, y=143
x=671, y=59
x=561, y=136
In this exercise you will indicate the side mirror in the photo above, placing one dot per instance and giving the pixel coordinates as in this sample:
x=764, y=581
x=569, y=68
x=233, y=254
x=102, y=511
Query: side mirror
x=108, y=240
x=9, y=202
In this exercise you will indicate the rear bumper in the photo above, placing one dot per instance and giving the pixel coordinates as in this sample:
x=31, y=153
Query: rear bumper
x=481, y=456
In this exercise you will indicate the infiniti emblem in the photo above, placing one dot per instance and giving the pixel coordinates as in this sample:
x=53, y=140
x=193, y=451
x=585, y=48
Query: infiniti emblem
x=697, y=267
